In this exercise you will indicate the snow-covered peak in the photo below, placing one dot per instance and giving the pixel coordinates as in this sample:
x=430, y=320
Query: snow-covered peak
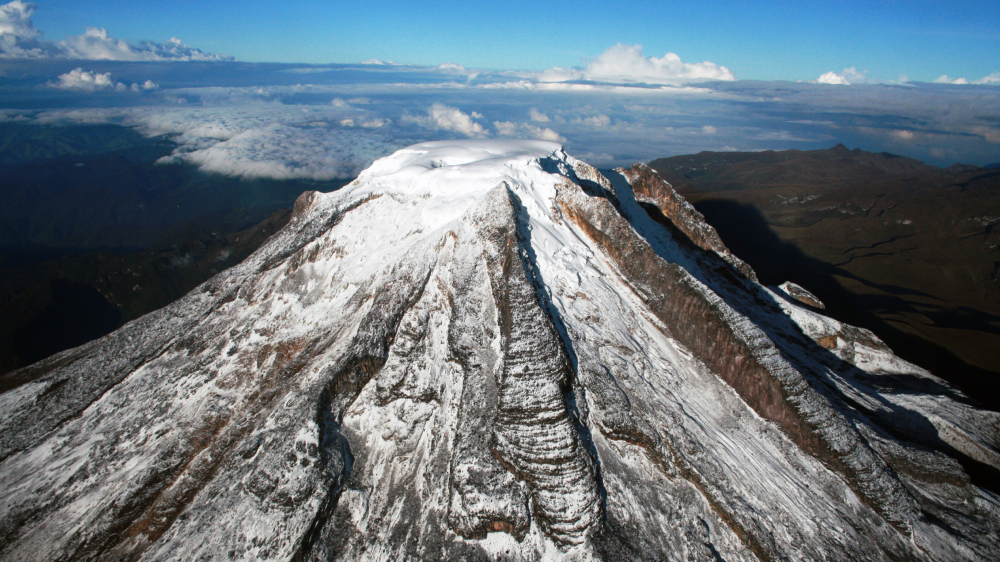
x=451, y=176
x=469, y=156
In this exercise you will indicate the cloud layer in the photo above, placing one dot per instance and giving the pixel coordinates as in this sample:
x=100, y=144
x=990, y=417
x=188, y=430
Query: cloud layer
x=338, y=123
x=20, y=40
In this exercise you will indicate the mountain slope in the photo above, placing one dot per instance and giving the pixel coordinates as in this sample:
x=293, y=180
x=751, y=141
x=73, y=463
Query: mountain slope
x=907, y=250
x=488, y=350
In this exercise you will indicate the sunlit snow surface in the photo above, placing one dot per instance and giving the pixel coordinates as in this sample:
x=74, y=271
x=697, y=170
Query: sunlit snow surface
x=450, y=358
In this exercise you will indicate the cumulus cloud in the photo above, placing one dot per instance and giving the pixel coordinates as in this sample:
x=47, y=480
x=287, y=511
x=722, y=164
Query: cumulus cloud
x=96, y=44
x=599, y=120
x=443, y=117
x=844, y=78
x=992, y=79
x=902, y=135
x=18, y=36
x=538, y=116
x=526, y=130
x=85, y=81
x=452, y=68
x=709, y=130
x=627, y=64
x=945, y=79
x=81, y=80
x=20, y=40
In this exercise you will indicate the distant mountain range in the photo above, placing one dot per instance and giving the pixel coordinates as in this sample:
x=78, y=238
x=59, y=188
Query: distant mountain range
x=907, y=250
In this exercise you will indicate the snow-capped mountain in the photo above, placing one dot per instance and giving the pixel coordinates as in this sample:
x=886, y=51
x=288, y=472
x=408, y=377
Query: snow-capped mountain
x=490, y=351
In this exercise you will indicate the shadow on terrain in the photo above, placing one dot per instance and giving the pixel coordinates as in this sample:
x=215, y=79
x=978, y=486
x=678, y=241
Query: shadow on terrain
x=746, y=232
x=76, y=314
x=905, y=425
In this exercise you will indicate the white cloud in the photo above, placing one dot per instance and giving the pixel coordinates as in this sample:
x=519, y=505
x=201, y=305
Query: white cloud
x=599, y=120
x=18, y=36
x=283, y=152
x=443, y=117
x=944, y=79
x=452, y=68
x=81, y=80
x=19, y=40
x=370, y=123
x=832, y=78
x=992, y=79
x=96, y=44
x=902, y=135
x=527, y=130
x=505, y=128
x=457, y=69
x=626, y=64
x=542, y=134
x=845, y=78
x=709, y=130
x=538, y=116
x=85, y=81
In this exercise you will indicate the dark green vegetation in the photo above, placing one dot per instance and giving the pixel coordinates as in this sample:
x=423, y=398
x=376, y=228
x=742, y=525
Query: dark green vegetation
x=888, y=243
x=93, y=233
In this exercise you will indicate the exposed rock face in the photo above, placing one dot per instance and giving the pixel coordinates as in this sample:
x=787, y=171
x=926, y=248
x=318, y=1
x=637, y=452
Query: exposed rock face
x=799, y=293
x=650, y=189
x=490, y=351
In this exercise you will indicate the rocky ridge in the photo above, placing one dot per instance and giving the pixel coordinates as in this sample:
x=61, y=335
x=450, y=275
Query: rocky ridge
x=491, y=351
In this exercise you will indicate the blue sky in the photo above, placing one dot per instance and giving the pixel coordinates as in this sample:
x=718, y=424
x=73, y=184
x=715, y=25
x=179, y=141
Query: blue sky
x=763, y=40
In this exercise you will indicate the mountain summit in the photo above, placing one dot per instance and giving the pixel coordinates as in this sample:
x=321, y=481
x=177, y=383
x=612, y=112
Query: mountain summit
x=491, y=351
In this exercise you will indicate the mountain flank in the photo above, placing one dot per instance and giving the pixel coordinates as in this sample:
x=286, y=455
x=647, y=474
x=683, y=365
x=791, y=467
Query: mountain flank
x=907, y=250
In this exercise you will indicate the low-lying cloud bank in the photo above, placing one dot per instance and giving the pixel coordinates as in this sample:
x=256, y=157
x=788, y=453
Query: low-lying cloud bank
x=266, y=142
x=19, y=39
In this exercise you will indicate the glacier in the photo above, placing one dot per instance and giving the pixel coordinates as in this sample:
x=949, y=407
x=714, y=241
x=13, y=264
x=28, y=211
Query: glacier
x=489, y=350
